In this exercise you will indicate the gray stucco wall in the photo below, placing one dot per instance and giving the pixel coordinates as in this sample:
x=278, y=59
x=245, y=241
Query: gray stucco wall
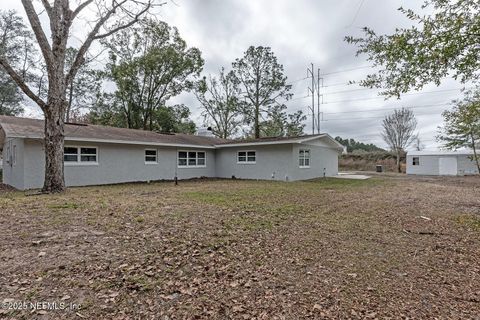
x=270, y=160
x=13, y=163
x=321, y=156
x=278, y=162
x=117, y=163
x=429, y=164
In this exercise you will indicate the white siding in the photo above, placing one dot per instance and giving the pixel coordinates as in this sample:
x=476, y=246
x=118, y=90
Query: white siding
x=429, y=164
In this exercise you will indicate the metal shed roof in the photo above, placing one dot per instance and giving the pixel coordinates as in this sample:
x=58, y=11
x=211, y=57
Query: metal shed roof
x=439, y=152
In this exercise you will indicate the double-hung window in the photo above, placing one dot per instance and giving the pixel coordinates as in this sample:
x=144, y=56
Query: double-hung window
x=151, y=156
x=304, y=158
x=416, y=161
x=192, y=159
x=87, y=155
x=246, y=157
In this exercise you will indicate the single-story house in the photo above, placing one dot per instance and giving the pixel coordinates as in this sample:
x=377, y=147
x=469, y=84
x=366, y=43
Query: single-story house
x=443, y=163
x=95, y=155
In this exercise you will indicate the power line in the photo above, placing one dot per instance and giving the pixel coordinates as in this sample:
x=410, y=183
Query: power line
x=375, y=98
x=356, y=13
x=308, y=96
x=346, y=70
x=338, y=84
x=382, y=109
x=377, y=117
x=298, y=80
x=406, y=94
x=342, y=91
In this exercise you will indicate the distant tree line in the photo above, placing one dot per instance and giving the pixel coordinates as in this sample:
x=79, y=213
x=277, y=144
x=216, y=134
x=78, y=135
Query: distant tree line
x=353, y=145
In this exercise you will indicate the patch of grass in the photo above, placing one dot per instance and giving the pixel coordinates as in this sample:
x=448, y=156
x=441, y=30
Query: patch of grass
x=65, y=205
x=140, y=283
x=469, y=221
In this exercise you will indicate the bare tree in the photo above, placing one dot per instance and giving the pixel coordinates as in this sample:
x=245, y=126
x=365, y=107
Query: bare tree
x=111, y=17
x=417, y=142
x=398, y=129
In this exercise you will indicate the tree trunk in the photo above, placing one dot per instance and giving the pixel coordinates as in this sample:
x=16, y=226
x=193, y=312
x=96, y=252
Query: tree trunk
x=257, y=122
x=475, y=155
x=399, y=167
x=54, y=139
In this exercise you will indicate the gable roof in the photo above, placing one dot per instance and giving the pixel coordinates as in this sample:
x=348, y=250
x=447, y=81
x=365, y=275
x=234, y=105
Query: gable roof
x=16, y=127
x=440, y=152
x=279, y=140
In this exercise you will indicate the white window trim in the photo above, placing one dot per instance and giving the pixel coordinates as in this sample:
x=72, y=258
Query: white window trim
x=145, y=155
x=78, y=162
x=309, y=158
x=246, y=156
x=187, y=166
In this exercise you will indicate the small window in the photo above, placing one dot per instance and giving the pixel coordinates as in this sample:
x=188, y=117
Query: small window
x=416, y=161
x=151, y=156
x=200, y=158
x=304, y=158
x=191, y=159
x=246, y=157
x=88, y=154
x=80, y=154
x=70, y=154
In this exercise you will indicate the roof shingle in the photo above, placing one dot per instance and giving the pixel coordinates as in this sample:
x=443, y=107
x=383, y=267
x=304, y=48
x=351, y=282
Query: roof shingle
x=34, y=128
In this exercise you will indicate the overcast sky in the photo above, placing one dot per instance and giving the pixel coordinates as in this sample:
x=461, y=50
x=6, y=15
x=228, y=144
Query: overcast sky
x=301, y=32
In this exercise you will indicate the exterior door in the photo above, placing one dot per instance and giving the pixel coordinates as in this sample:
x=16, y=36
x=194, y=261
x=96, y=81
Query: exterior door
x=447, y=166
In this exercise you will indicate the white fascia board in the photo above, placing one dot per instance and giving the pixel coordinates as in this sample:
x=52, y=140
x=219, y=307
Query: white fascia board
x=251, y=144
x=143, y=143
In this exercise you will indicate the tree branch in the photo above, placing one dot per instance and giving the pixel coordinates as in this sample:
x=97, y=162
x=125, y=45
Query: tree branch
x=38, y=31
x=93, y=35
x=48, y=8
x=80, y=8
x=21, y=83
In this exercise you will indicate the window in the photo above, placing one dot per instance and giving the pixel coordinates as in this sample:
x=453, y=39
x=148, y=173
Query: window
x=70, y=154
x=191, y=159
x=80, y=155
x=416, y=161
x=304, y=158
x=246, y=157
x=150, y=156
x=88, y=154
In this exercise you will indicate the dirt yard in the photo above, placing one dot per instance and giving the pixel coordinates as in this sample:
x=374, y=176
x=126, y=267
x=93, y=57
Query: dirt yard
x=387, y=247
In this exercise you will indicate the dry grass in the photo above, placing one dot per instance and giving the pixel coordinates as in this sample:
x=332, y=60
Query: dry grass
x=385, y=247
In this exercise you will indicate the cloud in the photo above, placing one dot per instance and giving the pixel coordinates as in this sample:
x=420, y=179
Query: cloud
x=301, y=32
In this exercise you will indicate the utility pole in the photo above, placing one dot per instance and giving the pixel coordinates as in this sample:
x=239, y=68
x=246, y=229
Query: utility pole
x=311, y=90
x=319, y=100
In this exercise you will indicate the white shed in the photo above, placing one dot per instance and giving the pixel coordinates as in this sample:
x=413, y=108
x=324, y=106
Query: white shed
x=441, y=163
